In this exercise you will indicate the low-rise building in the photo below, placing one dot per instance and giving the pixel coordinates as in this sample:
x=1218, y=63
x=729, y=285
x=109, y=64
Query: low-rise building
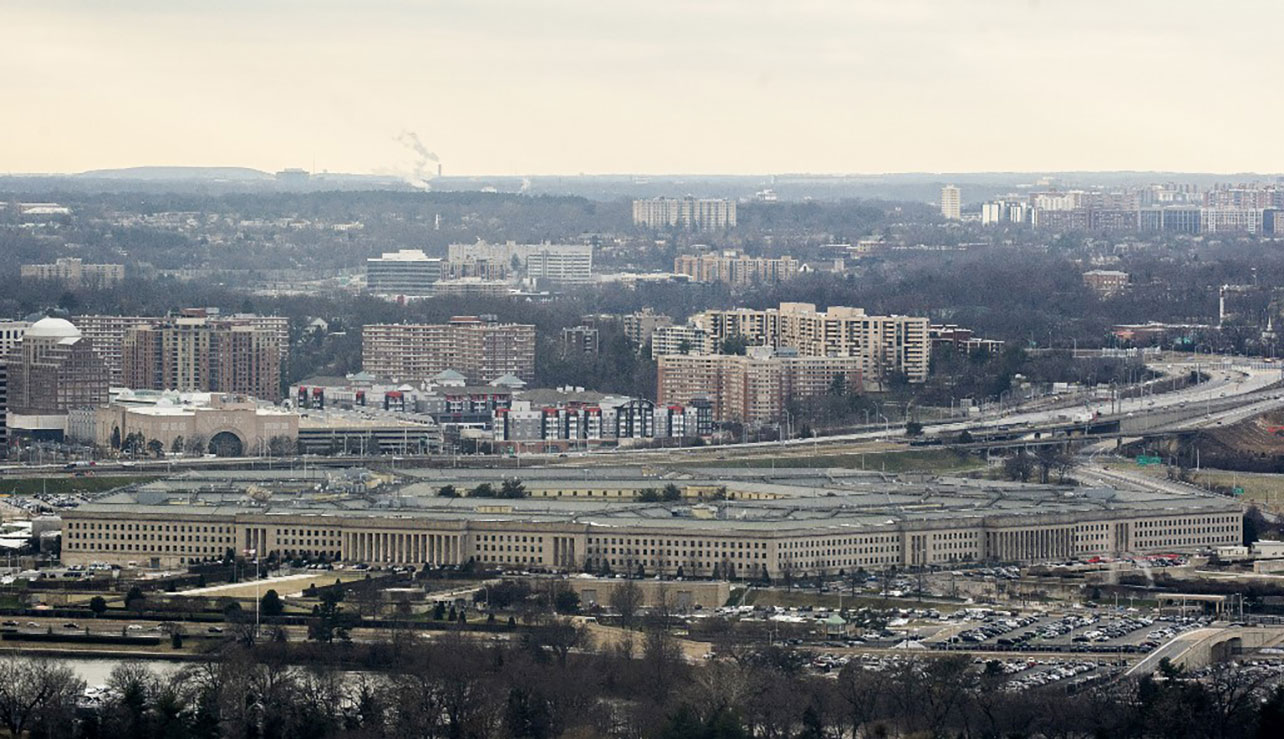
x=747, y=523
x=1106, y=282
x=366, y=433
x=961, y=340
x=215, y=423
x=544, y=420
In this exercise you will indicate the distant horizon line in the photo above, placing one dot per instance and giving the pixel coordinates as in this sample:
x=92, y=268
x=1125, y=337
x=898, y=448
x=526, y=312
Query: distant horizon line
x=925, y=173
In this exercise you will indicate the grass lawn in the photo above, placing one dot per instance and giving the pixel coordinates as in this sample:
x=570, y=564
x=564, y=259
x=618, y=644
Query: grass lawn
x=60, y=485
x=917, y=460
x=1264, y=489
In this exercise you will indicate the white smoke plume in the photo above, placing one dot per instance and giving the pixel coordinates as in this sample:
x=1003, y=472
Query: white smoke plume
x=421, y=172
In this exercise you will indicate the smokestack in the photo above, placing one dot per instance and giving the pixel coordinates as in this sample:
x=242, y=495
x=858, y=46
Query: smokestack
x=439, y=169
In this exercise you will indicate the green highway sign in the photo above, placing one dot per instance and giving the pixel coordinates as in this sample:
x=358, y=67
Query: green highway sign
x=1143, y=461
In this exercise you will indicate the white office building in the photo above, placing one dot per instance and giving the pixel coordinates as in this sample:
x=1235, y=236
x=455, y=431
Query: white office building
x=407, y=272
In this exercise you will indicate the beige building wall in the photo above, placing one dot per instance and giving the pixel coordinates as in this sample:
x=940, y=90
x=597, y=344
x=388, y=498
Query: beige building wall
x=73, y=272
x=480, y=350
x=747, y=388
x=174, y=537
x=252, y=425
x=884, y=344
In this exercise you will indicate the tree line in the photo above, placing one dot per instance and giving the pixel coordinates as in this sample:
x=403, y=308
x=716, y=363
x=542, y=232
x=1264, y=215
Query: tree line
x=549, y=682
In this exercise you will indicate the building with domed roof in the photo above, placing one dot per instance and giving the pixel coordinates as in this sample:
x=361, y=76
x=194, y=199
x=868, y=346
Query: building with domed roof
x=53, y=370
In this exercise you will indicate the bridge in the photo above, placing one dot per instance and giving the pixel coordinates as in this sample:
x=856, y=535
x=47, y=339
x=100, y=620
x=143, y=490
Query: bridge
x=1202, y=647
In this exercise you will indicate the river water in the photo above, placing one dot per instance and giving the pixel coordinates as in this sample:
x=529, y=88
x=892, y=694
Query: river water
x=96, y=671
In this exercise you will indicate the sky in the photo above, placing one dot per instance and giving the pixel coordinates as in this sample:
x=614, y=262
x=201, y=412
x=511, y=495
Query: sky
x=538, y=87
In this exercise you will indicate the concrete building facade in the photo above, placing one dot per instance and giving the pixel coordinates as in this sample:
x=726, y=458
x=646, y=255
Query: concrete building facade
x=53, y=370
x=884, y=344
x=108, y=332
x=735, y=268
x=641, y=325
x=556, y=263
x=229, y=425
x=200, y=354
x=691, y=214
x=407, y=272
x=755, y=388
x=728, y=525
x=73, y=272
x=951, y=206
x=479, y=348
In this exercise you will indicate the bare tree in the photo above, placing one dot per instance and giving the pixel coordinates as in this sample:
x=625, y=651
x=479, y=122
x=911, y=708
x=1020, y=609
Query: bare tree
x=626, y=600
x=37, y=692
x=197, y=444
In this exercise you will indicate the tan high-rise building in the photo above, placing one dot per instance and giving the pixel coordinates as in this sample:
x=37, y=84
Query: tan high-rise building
x=190, y=353
x=108, y=333
x=481, y=350
x=885, y=345
x=754, y=388
x=735, y=268
x=951, y=205
x=692, y=214
x=53, y=370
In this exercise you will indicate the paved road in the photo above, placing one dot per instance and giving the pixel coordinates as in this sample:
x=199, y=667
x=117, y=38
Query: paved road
x=1172, y=650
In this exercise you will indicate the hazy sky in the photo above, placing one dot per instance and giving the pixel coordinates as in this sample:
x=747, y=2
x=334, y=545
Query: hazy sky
x=662, y=86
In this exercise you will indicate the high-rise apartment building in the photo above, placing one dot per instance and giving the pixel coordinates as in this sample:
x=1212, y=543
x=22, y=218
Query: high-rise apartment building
x=11, y=335
x=203, y=354
x=4, y=404
x=108, y=335
x=951, y=207
x=640, y=326
x=108, y=332
x=736, y=269
x=684, y=339
x=558, y=263
x=53, y=370
x=884, y=344
x=691, y=214
x=581, y=341
x=407, y=272
x=752, y=388
x=479, y=348
x=73, y=272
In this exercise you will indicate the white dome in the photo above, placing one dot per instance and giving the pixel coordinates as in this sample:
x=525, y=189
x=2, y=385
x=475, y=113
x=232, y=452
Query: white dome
x=52, y=328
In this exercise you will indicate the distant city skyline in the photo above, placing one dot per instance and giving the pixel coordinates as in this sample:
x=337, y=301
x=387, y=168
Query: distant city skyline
x=563, y=87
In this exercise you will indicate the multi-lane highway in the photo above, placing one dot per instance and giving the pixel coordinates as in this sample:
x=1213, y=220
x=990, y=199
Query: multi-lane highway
x=1236, y=388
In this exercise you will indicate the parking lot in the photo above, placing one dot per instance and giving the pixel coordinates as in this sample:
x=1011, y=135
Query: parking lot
x=1089, y=633
x=1017, y=674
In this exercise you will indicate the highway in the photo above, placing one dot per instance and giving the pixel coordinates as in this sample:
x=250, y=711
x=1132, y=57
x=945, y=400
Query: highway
x=1247, y=385
x=1239, y=388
